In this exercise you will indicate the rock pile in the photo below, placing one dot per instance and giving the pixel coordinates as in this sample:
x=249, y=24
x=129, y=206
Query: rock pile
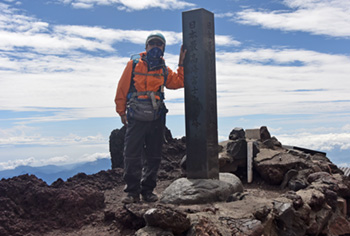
x=318, y=199
x=294, y=192
x=311, y=195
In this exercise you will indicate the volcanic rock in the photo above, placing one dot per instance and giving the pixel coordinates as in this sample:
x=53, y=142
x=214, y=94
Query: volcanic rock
x=116, y=147
x=167, y=218
x=237, y=133
x=29, y=204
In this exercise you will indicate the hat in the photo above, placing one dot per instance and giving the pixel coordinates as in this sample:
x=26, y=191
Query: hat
x=158, y=36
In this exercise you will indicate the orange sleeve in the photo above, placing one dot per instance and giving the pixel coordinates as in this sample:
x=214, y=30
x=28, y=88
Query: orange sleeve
x=175, y=80
x=123, y=89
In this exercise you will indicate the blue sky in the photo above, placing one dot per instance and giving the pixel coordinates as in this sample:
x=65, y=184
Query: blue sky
x=283, y=64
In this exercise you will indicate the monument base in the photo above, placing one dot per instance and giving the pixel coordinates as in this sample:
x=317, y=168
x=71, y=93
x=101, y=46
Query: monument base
x=185, y=191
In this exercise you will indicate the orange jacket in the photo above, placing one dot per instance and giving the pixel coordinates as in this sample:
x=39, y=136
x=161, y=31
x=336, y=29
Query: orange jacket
x=145, y=83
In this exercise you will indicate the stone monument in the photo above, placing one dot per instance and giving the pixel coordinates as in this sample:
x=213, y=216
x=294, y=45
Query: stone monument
x=203, y=183
x=200, y=95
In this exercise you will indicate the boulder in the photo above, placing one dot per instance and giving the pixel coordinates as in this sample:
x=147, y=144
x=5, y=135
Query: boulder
x=288, y=221
x=116, y=147
x=237, y=133
x=319, y=220
x=339, y=226
x=233, y=154
x=151, y=231
x=227, y=162
x=296, y=199
x=314, y=198
x=272, y=165
x=131, y=216
x=264, y=134
x=299, y=181
x=344, y=185
x=167, y=218
x=203, y=226
x=233, y=180
x=237, y=149
x=318, y=176
x=271, y=143
x=244, y=226
x=199, y=191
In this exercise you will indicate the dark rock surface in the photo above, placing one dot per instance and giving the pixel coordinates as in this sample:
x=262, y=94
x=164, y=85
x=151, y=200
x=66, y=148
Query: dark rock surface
x=29, y=204
x=103, y=180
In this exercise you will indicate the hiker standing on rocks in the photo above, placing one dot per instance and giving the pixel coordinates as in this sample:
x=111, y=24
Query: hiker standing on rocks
x=139, y=102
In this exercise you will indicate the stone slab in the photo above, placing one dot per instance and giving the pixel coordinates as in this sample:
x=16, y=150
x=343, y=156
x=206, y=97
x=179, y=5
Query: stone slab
x=252, y=134
x=306, y=150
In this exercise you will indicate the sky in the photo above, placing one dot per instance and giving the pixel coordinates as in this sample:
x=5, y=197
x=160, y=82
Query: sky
x=282, y=64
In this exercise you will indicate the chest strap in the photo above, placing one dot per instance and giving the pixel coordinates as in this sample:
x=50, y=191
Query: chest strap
x=146, y=74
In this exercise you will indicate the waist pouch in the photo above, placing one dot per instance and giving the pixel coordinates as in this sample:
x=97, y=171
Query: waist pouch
x=144, y=109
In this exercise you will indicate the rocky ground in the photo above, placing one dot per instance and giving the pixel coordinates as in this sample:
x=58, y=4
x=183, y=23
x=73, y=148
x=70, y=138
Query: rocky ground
x=311, y=197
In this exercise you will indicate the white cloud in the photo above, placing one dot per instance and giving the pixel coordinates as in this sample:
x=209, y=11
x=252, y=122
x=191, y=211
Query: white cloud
x=248, y=82
x=52, y=72
x=55, y=160
x=110, y=36
x=12, y=20
x=21, y=31
x=66, y=159
x=55, y=74
x=11, y=164
x=25, y=135
x=346, y=127
x=135, y=5
x=82, y=5
x=321, y=17
x=94, y=156
x=48, y=44
x=13, y=1
x=326, y=142
x=225, y=15
x=265, y=81
x=224, y=40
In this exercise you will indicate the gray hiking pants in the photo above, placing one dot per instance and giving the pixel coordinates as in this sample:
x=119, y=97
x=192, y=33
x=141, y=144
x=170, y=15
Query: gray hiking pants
x=142, y=154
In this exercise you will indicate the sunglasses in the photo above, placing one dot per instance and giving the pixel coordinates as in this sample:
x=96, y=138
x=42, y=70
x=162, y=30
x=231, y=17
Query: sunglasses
x=157, y=43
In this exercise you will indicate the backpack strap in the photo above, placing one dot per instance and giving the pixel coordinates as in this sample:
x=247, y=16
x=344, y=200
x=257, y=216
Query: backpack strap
x=135, y=59
x=161, y=89
x=132, y=90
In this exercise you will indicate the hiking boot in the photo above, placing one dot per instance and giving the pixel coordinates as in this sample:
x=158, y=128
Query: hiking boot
x=131, y=198
x=149, y=197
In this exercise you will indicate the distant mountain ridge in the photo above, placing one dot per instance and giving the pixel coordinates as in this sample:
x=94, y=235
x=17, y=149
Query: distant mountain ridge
x=51, y=173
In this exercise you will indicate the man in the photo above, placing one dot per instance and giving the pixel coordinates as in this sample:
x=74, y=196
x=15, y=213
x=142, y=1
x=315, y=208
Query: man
x=139, y=102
